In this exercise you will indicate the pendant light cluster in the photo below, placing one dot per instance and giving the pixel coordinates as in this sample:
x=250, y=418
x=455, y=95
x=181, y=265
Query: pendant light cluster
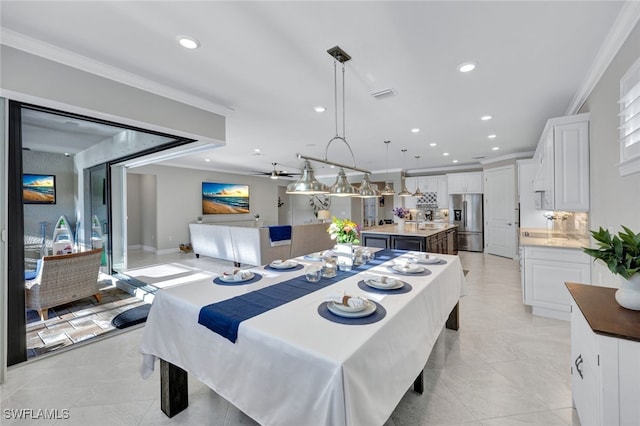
x=404, y=192
x=387, y=190
x=308, y=184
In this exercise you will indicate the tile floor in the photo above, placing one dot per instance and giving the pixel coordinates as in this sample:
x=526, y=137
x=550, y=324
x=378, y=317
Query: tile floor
x=77, y=321
x=503, y=367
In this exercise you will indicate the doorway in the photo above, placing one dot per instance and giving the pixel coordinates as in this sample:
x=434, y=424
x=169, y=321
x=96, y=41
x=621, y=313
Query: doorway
x=500, y=209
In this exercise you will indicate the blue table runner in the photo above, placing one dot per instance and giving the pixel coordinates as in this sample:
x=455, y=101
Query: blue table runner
x=225, y=317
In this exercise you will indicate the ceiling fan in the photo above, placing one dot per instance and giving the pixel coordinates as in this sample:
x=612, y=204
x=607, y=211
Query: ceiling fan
x=275, y=174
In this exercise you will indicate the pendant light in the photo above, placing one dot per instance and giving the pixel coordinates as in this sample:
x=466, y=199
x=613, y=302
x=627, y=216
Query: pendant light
x=366, y=189
x=404, y=192
x=307, y=184
x=418, y=193
x=387, y=190
x=342, y=187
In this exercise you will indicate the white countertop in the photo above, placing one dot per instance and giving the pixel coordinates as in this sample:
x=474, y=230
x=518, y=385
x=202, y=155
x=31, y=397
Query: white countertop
x=544, y=238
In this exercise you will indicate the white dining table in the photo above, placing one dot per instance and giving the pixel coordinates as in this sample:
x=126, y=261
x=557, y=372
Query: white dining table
x=290, y=365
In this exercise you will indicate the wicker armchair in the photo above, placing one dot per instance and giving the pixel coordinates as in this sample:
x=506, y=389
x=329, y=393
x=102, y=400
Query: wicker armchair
x=63, y=279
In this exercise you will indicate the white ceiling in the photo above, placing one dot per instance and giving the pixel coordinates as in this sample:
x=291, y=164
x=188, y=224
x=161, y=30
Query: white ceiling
x=264, y=65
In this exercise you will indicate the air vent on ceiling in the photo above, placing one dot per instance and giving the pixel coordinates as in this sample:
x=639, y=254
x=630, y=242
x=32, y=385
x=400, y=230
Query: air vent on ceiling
x=382, y=94
x=480, y=157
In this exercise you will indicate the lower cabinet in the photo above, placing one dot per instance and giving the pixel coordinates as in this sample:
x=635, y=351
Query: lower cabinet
x=403, y=242
x=605, y=375
x=546, y=270
x=376, y=240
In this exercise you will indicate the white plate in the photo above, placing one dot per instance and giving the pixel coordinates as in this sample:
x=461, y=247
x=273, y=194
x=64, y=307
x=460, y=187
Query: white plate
x=347, y=308
x=410, y=269
x=231, y=280
x=287, y=264
x=313, y=257
x=369, y=309
x=391, y=284
x=431, y=260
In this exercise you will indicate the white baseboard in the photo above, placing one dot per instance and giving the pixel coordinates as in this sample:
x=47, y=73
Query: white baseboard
x=168, y=251
x=149, y=248
x=134, y=247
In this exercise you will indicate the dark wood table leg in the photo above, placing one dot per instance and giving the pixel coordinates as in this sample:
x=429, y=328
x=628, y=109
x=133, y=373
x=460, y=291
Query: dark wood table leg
x=174, y=395
x=453, y=322
x=418, y=384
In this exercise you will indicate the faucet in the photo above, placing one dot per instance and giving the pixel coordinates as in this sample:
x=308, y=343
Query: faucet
x=421, y=216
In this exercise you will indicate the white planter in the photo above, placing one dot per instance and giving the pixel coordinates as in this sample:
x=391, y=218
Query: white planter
x=628, y=295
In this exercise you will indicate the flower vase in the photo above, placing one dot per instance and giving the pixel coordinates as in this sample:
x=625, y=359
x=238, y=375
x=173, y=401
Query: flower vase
x=344, y=251
x=628, y=295
x=400, y=222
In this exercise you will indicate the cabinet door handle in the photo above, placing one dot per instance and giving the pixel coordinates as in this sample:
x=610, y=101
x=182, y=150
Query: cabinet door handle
x=578, y=363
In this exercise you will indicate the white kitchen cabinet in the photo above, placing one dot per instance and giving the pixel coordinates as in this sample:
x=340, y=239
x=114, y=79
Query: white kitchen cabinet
x=465, y=183
x=429, y=184
x=605, y=369
x=443, y=192
x=546, y=269
x=410, y=183
x=562, y=161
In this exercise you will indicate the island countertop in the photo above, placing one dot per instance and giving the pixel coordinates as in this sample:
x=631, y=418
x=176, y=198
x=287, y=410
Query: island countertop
x=409, y=229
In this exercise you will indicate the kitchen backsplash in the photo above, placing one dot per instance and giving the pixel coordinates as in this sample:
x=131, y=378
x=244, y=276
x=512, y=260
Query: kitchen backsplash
x=573, y=224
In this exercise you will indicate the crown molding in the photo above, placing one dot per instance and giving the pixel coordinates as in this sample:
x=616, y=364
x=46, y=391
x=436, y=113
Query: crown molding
x=54, y=53
x=625, y=22
x=515, y=155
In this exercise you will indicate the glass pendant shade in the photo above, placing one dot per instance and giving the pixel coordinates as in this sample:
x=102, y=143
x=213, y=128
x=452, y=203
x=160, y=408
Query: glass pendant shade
x=307, y=184
x=342, y=187
x=366, y=190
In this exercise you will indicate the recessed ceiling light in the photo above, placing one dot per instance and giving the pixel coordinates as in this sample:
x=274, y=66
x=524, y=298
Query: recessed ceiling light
x=415, y=130
x=445, y=153
x=66, y=154
x=188, y=42
x=319, y=109
x=495, y=148
x=467, y=66
x=486, y=117
x=454, y=161
x=207, y=159
x=433, y=144
x=491, y=136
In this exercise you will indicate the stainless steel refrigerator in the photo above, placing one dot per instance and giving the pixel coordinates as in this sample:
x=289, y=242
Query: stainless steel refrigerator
x=466, y=211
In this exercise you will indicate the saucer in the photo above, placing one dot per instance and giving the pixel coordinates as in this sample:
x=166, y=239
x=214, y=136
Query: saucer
x=230, y=279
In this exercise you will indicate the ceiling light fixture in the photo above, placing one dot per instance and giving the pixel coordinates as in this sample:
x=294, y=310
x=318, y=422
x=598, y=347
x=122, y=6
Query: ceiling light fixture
x=207, y=159
x=454, y=161
x=433, y=144
x=188, y=42
x=495, y=148
x=418, y=193
x=486, y=117
x=445, y=153
x=387, y=190
x=319, y=109
x=467, y=67
x=491, y=136
x=307, y=184
x=415, y=130
x=404, y=192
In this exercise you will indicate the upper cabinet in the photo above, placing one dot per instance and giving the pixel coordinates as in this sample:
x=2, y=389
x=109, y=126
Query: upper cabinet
x=443, y=192
x=428, y=184
x=465, y=183
x=562, y=164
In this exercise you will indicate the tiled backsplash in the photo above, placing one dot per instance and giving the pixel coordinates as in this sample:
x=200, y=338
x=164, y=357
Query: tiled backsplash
x=574, y=224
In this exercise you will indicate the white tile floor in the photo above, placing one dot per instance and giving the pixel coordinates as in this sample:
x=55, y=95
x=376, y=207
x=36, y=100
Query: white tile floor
x=503, y=367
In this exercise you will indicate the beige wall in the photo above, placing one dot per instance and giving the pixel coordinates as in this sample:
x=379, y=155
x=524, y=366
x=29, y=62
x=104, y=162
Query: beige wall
x=615, y=200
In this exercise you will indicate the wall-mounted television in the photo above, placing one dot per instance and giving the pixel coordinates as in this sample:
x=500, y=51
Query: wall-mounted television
x=38, y=189
x=224, y=198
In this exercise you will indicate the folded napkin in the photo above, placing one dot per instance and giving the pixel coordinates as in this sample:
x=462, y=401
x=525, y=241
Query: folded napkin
x=279, y=263
x=236, y=275
x=351, y=301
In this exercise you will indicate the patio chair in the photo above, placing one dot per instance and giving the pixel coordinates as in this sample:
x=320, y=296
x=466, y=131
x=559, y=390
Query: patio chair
x=63, y=279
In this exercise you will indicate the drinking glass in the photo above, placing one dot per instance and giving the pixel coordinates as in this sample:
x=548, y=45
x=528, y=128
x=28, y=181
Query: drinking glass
x=313, y=273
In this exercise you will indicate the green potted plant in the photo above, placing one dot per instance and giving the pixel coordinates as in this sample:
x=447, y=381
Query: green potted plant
x=621, y=254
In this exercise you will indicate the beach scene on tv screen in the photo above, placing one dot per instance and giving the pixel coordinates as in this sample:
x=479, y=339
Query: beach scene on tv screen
x=224, y=198
x=38, y=189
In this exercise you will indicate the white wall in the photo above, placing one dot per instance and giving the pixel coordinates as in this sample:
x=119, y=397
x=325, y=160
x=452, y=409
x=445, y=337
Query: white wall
x=179, y=201
x=134, y=209
x=149, y=211
x=615, y=200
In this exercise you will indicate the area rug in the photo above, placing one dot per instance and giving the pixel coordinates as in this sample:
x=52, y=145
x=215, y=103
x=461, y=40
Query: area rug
x=131, y=316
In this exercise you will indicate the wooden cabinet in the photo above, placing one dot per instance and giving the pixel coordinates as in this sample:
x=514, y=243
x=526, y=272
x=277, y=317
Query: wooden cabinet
x=545, y=271
x=465, y=183
x=605, y=359
x=562, y=164
x=445, y=241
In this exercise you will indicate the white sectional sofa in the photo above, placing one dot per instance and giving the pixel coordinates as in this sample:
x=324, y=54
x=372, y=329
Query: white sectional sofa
x=251, y=245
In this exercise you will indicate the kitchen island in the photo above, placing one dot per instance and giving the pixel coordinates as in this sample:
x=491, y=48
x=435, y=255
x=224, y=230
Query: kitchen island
x=433, y=237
